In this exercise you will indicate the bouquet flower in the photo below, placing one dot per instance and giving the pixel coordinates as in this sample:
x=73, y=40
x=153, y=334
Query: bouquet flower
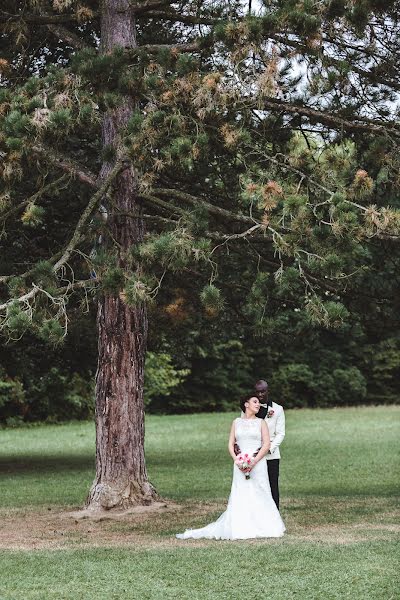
x=243, y=462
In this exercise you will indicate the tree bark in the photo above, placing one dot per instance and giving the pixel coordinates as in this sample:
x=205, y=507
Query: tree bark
x=121, y=478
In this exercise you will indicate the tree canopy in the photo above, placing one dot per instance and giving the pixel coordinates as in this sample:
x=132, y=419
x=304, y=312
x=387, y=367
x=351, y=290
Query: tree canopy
x=263, y=133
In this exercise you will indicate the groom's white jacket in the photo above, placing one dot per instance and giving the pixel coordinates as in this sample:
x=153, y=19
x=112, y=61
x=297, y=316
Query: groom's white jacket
x=276, y=426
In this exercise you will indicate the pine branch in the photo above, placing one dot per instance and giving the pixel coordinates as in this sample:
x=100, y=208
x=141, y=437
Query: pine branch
x=333, y=121
x=292, y=169
x=71, y=38
x=226, y=237
x=307, y=177
x=45, y=190
x=43, y=19
x=81, y=283
x=213, y=235
x=94, y=201
x=140, y=8
x=5, y=278
x=331, y=61
x=155, y=48
x=230, y=216
x=244, y=236
x=195, y=201
x=274, y=265
x=54, y=23
x=346, y=45
x=76, y=237
x=165, y=206
x=179, y=18
x=322, y=283
x=157, y=218
x=67, y=165
x=58, y=300
x=211, y=208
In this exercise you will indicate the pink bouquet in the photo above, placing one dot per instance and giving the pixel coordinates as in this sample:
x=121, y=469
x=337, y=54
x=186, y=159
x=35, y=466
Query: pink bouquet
x=244, y=462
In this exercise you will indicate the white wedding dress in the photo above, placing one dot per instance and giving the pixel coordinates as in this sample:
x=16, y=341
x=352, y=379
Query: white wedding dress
x=251, y=511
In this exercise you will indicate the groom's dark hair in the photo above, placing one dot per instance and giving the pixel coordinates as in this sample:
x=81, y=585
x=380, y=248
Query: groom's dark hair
x=261, y=382
x=245, y=399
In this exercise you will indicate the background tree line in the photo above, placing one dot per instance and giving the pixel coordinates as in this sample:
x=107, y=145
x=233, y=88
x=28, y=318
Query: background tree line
x=195, y=364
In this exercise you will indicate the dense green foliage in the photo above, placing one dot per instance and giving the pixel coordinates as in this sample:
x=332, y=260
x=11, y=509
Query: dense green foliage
x=266, y=150
x=205, y=367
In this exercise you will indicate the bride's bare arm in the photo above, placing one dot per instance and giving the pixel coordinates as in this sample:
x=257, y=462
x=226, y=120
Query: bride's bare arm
x=231, y=442
x=266, y=443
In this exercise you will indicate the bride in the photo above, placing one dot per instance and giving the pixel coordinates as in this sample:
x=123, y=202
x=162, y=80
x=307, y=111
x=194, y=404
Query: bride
x=251, y=511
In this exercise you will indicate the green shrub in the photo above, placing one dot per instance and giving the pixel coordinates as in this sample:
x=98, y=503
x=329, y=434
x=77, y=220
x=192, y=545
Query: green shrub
x=297, y=385
x=161, y=376
x=60, y=396
x=12, y=398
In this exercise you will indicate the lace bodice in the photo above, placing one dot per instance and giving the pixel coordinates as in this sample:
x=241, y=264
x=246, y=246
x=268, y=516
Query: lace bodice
x=248, y=434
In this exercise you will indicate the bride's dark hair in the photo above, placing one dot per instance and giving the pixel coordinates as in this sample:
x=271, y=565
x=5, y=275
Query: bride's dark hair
x=245, y=399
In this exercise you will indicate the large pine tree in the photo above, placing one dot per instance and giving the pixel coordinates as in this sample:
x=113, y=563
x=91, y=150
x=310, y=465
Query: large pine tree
x=162, y=137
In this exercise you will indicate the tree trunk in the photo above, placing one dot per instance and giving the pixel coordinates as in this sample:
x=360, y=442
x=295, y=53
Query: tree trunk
x=121, y=477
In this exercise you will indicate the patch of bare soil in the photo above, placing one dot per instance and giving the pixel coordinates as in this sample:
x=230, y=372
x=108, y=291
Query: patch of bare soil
x=138, y=527
x=155, y=527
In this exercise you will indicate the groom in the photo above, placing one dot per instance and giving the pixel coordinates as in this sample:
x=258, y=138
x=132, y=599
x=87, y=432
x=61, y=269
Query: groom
x=274, y=416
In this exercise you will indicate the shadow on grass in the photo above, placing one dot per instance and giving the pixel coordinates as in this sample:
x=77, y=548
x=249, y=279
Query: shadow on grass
x=10, y=465
x=21, y=464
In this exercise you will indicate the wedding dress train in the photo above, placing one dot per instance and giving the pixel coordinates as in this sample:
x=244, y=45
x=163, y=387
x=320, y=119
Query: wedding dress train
x=251, y=511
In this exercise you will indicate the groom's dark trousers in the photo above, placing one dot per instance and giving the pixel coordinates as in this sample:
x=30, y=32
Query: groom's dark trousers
x=273, y=475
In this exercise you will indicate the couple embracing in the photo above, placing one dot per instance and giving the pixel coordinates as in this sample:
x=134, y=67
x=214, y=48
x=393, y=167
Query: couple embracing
x=253, y=505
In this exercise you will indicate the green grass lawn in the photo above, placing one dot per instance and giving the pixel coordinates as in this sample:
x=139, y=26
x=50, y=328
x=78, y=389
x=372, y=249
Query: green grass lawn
x=339, y=480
